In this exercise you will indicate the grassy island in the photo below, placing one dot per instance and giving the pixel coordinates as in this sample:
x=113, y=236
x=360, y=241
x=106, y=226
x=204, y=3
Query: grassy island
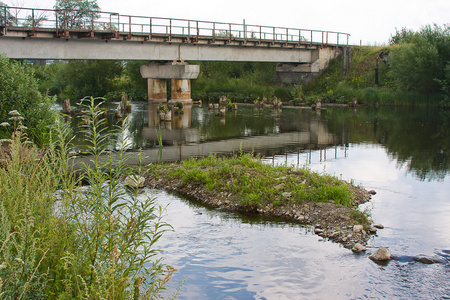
x=244, y=183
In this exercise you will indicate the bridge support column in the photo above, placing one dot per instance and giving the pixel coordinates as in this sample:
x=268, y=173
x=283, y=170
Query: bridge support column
x=181, y=90
x=180, y=73
x=157, y=90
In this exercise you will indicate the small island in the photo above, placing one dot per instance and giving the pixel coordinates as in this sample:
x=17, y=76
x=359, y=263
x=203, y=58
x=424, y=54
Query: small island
x=244, y=183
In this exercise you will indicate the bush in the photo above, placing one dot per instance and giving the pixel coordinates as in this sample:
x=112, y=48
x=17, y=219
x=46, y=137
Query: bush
x=60, y=239
x=19, y=91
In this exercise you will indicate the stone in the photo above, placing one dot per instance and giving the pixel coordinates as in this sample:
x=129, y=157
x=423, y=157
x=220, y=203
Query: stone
x=357, y=248
x=372, y=192
x=373, y=230
x=318, y=231
x=425, y=260
x=286, y=195
x=379, y=226
x=134, y=181
x=301, y=218
x=381, y=254
x=358, y=228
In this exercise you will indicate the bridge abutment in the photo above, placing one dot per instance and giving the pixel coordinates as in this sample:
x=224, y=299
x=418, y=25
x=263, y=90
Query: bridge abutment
x=180, y=74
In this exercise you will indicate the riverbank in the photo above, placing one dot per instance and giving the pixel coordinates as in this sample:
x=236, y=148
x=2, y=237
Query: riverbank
x=244, y=183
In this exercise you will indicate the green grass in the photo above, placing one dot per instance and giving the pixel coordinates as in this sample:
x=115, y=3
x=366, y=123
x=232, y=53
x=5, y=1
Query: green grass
x=254, y=183
x=59, y=240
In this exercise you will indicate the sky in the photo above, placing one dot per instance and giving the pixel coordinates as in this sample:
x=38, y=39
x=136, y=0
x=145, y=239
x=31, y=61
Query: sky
x=368, y=22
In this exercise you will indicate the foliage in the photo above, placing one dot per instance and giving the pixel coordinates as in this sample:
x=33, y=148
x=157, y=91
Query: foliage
x=256, y=184
x=77, y=79
x=419, y=59
x=59, y=239
x=239, y=81
x=9, y=18
x=76, y=13
x=19, y=91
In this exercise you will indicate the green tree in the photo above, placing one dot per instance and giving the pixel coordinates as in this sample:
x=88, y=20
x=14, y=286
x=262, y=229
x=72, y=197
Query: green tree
x=19, y=91
x=75, y=13
x=9, y=18
x=418, y=59
x=77, y=79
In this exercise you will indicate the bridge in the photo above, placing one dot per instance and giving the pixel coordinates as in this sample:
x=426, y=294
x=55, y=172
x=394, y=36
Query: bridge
x=32, y=33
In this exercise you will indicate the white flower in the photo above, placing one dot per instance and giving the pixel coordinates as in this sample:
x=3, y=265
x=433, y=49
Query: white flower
x=18, y=118
x=21, y=127
x=14, y=113
x=5, y=141
x=4, y=124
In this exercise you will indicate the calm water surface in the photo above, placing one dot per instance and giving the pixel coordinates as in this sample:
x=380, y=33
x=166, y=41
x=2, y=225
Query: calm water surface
x=403, y=154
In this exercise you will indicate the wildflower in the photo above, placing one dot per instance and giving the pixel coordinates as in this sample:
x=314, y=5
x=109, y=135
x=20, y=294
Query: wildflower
x=21, y=127
x=28, y=143
x=14, y=113
x=17, y=118
x=5, y=124
x=5, y=141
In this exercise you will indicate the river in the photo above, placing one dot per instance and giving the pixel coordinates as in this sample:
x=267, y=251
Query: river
x=401, y=153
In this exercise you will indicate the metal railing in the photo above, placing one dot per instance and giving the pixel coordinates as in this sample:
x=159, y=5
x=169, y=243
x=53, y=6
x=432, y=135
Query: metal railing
x=191, y=30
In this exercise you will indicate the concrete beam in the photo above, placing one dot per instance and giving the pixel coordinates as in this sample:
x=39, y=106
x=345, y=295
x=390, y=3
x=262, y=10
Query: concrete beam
x=174, y=70
x=66, y=49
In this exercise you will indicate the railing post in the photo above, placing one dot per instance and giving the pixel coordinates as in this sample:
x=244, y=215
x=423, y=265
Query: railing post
x=273, y=37
x=260, y=34
x=311, y=38
x=245, y=32
x=56, y=23
x=92, y=25
x=322, y=38
x=34, y=22
x=287, y=36
x=214, y=32
x=66, y=32
x=338, y=38
x=170, y=30
x=189, y=30
x=118, y=26
x=327, y=39
x=151, y=29
x=197, y=33
x=230, y=32
x=299, y=37
x=129, y=27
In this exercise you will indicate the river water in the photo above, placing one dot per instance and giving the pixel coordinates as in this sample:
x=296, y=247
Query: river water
x=401, y=153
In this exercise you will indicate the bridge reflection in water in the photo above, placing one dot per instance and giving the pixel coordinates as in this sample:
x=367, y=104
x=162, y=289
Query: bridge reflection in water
x=292, y=132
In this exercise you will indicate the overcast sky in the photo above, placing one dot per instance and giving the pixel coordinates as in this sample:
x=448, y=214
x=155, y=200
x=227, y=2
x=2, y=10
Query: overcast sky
x=371, y=22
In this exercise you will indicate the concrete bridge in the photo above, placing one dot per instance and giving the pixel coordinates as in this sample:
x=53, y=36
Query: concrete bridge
x=31, y=33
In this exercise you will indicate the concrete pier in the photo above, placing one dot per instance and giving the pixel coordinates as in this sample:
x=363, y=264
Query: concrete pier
x=180, y=74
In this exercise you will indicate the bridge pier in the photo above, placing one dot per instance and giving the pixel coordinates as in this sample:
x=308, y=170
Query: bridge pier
x=180, y=73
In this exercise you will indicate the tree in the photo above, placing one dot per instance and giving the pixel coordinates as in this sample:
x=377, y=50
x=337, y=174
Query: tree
x=418, y=60
x=7, y=19
x=78, y=79
x=19, y=91
x=75, y=13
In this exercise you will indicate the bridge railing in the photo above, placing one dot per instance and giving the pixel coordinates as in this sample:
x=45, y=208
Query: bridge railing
x=191, y=30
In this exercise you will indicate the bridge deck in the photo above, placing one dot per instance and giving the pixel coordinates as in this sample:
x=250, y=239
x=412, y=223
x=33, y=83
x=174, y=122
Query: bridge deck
x=33, y=22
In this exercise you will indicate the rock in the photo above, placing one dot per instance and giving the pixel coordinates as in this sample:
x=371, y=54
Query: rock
x=379, y=226
x=358, y=248
x=134, y=181
x=301, y=218
x=381, y=254
x=318, y=231
x=372, y=192
x=286, y=195
x=358, y=228
x=373, y=230
x=425, y=260
x=334, y=235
